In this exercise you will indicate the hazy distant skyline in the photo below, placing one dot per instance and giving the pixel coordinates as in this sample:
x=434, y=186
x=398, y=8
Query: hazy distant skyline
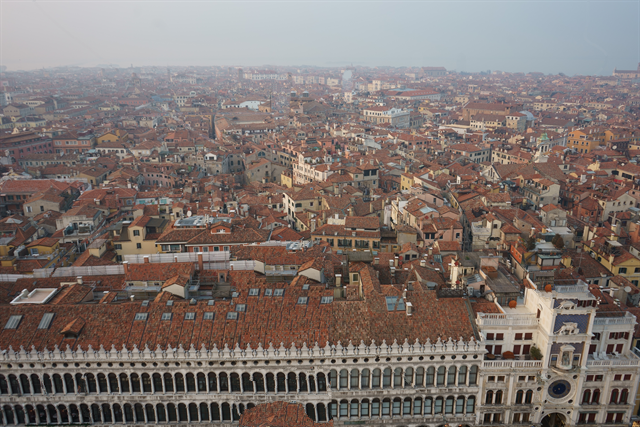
x=473, y=35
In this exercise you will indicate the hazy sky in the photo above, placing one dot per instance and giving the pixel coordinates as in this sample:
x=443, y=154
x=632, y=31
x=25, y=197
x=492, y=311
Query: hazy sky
x=573, y=37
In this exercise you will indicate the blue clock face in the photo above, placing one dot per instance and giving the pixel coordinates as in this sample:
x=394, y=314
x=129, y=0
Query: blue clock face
x=559, y=389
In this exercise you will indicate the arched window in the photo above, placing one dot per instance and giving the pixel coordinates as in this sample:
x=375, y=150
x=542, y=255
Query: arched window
x=271, y=383
x=135, y=384
x=224, y=383
x=310, y=410
x=292, y=382
x=258, y=380
x=46, y=380
x=417, y=406
x=375, y=378
x=74, y=413
x=302, y=381
x=128, y=413
x=322, y=382
x=146, y=384
x=386, y=378
x=168, y=382
x=333, y=379
x=624, y=396
x=8, y=414
x=528, y=397
x=448, y=405
x=462, y=375
x=235, y=382
x=386, y=407
x=364, y=408
x=182, y=412
x=57, y=384
x=344, y=409
x=191, y=382
x=322, y=412
x=280, y=382
x=614, y=396
x=519, y=397
x=431, y=371
x=419, y=376
x=4, y=386
x=138, y=411
x=460, y=405
x=595, y=398
x=396, y=407
x=438, y=405
x=19, y=414
x=440, y=377
x=451, y=376
x=193, y=412
x=586, y=397
x=428, y=406
x=35, y=381
x=113, y=383
x=364, y=378
x=354, y=376
x=151, y=413
x=408, y=377
x=353, y=409
x=488, y=400
x=397, y=378
x=26, y=389
x=471, y=405
x=215, y=412
x=344, y=379
x=473, y=375
x=498, y=397
x=406, y=406
x=160, y=412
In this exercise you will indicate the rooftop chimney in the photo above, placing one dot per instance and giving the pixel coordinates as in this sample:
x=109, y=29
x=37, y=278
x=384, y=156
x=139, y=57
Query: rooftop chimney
x=146, y=259
x=125, y=264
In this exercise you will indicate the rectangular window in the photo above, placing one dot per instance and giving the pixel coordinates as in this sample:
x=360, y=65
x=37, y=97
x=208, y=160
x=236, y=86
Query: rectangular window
x=189, y=316
x=166, y=316
x=136, y=232
x=138, y=245
x=278, y=292
x=528, y=336
x=46, y=321
x=232, y=315
x=254, y=292
x=302, y=300
x=326, y=300
x=268, y=292
x=241, y=308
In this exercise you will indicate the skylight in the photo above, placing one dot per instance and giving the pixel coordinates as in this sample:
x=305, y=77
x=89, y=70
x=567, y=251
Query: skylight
x=278, y=292
x=241, y=307
x=166, y=316
x=395, y=304
x=232, y=315
x=189, y=316
x=208, y=315
x=254, y=292
x=46, y=321
x=141, y=316
x=326, y=300
x=302, y=300
x=268, y=292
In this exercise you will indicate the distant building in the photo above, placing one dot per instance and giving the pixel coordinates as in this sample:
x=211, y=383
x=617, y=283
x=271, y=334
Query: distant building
x=627, y=74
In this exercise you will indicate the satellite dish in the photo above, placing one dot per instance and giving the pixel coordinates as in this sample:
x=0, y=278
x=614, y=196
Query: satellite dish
x=627, y=289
